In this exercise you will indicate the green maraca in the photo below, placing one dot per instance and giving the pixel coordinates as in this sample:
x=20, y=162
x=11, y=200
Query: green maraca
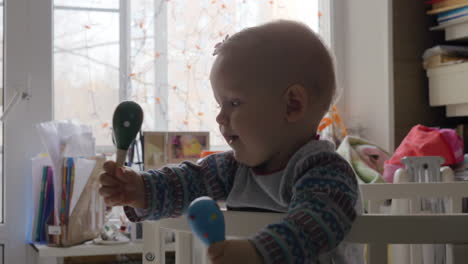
x=126, y=122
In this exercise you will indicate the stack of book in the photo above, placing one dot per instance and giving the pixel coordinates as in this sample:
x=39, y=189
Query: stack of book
x=45, y=212
x=452, y=17
x=443, y=55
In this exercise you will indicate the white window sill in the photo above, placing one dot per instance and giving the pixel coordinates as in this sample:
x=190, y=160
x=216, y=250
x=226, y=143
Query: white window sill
x=88, y=250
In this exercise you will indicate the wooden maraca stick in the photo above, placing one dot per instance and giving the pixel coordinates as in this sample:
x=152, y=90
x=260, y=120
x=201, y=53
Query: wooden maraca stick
x=206, y=220
x=126, y=122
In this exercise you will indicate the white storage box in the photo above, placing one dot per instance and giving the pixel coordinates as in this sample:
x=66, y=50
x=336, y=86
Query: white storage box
x=448, y=84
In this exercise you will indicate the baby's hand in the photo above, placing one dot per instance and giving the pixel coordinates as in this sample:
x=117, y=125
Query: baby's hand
x=121, y=186
x=234, y=251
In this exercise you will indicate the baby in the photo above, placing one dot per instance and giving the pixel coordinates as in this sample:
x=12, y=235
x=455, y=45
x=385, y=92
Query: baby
x=273, y=84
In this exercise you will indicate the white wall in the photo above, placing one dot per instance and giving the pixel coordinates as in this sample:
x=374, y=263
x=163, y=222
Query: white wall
x=362, y=40
x=27, y=46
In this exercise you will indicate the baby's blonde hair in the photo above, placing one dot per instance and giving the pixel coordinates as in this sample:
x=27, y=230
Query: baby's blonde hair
x=283, y=53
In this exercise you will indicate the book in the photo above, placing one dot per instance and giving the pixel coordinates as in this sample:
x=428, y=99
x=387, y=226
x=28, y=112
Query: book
x=447, y=50
x=449, y=15
x=447, y=8
x=453, y=18
x=68, y=185
x=442, y=60
x=456, y=22
x=48, y=212
x=41, y=204
x=447, y=3
x=63, y=198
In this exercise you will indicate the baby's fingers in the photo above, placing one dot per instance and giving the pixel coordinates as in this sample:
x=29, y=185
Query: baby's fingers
x=123, y=174
x=114, y=200
x=109, y=166
x=108, y=180
x=107, y=191
x=216, y=252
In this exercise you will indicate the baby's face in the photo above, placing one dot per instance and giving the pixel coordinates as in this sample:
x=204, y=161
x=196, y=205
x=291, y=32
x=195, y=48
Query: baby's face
x=251, y=118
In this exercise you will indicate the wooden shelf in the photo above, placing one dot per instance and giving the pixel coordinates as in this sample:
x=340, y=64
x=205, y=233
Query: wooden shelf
x=88, y=250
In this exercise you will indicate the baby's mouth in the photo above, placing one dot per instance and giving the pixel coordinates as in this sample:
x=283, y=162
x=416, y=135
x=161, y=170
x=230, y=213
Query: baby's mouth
x=232, y=139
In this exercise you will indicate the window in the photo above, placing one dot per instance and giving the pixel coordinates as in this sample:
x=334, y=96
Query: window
x=155, y=52
x=86, y=63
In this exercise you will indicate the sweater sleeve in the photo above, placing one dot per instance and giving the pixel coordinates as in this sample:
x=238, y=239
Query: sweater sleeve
x=320, y=214
x=169, y=190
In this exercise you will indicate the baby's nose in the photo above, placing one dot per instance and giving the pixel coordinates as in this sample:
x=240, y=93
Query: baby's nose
x=221, y=118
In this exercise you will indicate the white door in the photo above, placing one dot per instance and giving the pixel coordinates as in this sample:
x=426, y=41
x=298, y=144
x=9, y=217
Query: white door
x=25, y=46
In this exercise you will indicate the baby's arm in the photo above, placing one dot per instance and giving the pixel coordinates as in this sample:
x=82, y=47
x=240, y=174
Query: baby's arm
x=169, y=190
x=320, y=214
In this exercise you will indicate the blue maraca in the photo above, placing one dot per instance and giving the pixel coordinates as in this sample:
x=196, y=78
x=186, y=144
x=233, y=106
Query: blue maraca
x=206, y=220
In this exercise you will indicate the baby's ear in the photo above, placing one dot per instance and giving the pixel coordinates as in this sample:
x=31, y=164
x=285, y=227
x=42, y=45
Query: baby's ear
x=296, y=102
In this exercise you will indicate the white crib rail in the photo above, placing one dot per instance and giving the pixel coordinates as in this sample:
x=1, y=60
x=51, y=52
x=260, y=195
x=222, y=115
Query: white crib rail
x=375, y=230
x=375, y=193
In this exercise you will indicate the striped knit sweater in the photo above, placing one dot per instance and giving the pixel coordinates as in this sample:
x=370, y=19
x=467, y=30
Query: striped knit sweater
x=318, y=187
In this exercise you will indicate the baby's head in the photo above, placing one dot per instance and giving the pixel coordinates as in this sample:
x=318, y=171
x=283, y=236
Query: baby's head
x=274, y=83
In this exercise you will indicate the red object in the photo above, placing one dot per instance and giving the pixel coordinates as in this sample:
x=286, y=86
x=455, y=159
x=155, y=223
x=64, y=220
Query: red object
x=426, y=141
x=431, y=2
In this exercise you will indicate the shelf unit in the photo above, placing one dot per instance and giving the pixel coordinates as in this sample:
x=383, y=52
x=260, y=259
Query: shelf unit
x=417, y=98
x=447, y=84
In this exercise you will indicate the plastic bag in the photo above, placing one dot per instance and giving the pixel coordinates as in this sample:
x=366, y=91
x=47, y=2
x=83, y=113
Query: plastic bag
x=426, y=141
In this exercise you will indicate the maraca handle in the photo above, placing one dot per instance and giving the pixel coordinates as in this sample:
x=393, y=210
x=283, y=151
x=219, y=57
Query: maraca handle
x=120, y=159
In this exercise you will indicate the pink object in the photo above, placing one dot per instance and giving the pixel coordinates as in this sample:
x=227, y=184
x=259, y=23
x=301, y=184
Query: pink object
x=426, y=141
x=455, y=142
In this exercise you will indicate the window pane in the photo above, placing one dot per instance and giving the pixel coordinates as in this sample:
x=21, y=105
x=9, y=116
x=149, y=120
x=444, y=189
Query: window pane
x=193, y=29
x=143, y=57
x=86, y=68
x=88, y=3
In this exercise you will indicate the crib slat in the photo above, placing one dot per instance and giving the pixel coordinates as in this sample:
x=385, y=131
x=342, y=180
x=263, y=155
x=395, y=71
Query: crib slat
x=456, y=204
x=152, y=252
x=183, y=247
x=458, y=253
x=374, y=206
x=377, y=253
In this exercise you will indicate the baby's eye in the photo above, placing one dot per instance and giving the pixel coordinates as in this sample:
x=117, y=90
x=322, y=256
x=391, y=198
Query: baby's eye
x=235, y=103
